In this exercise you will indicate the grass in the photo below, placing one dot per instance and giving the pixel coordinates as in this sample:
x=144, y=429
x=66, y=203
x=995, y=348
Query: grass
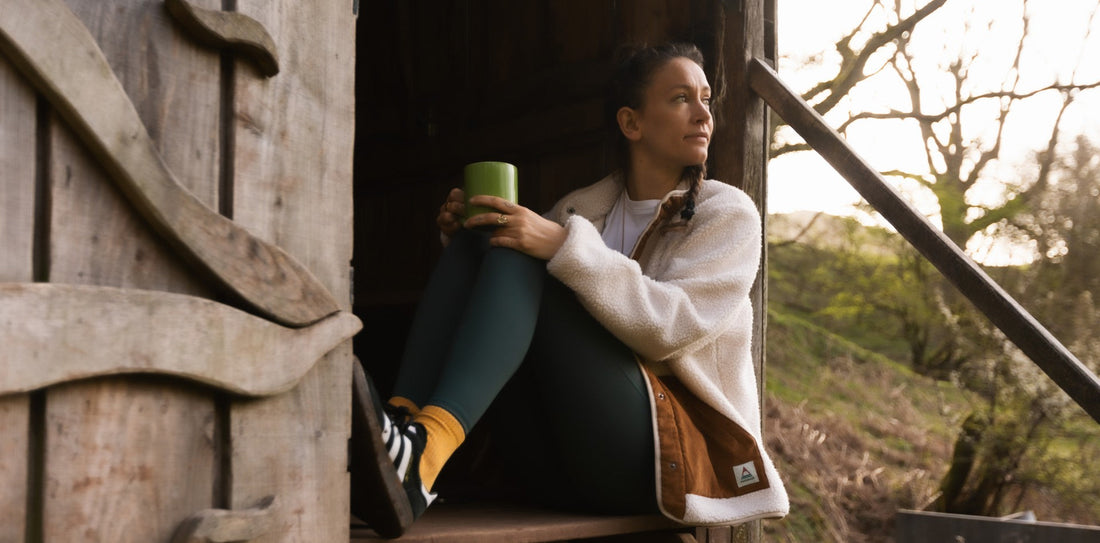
x=856, y=434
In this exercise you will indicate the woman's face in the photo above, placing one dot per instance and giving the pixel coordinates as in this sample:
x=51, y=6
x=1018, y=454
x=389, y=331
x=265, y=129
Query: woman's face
x=674, y=124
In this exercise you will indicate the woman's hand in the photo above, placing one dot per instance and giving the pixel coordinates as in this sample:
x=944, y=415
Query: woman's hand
x=517, y=227
x=452, y=213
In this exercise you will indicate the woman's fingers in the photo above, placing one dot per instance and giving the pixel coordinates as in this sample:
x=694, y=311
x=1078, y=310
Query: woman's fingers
x=495, y=202
x=451, y=212
x=493, y=219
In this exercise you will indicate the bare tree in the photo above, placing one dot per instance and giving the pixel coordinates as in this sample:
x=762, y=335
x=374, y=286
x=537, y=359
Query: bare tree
x=1001, y=435
x=955, y=164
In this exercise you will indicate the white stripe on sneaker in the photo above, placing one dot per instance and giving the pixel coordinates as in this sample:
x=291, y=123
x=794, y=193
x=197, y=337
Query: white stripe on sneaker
x=404, y=456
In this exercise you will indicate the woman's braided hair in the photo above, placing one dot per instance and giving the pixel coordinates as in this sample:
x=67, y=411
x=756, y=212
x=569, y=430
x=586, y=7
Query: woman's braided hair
x=634, y=69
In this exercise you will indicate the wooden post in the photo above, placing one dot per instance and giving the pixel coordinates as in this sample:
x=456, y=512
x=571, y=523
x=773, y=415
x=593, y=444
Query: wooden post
x=739, y=155
x=292, y=160
x=17, y=194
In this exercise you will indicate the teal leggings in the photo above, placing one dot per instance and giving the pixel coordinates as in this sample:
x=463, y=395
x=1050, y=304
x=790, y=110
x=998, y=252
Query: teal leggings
x=576, y=404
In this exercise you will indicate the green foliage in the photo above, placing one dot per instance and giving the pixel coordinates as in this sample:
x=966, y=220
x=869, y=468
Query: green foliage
x=869, y=285
x=847, y=390
x=856, y=434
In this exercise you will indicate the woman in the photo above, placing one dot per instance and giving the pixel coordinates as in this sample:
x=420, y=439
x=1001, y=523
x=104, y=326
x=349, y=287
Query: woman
x=625, y=313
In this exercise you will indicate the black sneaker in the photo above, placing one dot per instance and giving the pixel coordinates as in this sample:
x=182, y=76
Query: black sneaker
x=378, y=496
x=408, y=440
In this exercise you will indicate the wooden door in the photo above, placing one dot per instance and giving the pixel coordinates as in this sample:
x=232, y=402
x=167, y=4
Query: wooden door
x=130, y=457
x=444, y=83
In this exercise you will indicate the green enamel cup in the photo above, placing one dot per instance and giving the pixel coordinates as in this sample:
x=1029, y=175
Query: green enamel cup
x=490, y=178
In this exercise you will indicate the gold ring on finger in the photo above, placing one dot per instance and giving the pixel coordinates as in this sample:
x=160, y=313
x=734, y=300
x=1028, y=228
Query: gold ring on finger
x=502, y=219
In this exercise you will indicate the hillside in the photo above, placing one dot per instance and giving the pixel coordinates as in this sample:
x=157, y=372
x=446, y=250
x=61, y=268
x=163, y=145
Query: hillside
x=856, y=433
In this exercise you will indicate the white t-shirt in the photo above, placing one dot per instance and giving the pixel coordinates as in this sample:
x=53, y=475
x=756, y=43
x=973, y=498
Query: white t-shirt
x=627, y=220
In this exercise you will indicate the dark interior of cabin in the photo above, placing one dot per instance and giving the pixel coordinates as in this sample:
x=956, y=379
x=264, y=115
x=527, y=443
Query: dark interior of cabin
x=444, y=83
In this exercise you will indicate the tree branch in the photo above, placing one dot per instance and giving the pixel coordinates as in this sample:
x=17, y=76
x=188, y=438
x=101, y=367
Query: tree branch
x=853, y=64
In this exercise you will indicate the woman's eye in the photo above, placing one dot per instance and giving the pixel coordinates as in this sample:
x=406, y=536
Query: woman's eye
x=681, y=98
x=706, y=100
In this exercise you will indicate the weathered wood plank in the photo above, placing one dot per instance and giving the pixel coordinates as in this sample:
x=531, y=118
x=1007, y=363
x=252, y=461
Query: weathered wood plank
x=228, y=30
x=126, y=460
x=57, y=333
x=292, y=166
x=17, y=175
x=14, y=416
x=17, y=196
x=71, y=72
x=494, y=523
x=129, y=459
x=921, y=526
x=221, y=525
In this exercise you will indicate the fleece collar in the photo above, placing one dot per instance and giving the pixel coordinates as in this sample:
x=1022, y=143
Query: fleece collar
x=595, y=201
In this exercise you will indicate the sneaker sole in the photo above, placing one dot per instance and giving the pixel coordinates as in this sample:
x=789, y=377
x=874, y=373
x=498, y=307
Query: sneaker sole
x=377, y=495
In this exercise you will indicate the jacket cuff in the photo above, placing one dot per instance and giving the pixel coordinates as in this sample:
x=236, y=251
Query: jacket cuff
x=579, y=239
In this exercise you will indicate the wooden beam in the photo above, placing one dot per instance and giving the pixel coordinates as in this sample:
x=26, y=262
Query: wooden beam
x=228, y=30
x=497, y=523
x=59, y=333
x=739, y=156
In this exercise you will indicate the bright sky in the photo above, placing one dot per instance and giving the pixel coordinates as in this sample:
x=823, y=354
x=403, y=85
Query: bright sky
x=988, y=28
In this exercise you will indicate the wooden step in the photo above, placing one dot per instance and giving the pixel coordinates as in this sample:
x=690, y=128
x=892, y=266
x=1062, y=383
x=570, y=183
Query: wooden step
x=502, y=523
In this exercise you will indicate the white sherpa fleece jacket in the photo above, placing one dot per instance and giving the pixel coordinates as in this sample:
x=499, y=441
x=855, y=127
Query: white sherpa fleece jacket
x=681, y=303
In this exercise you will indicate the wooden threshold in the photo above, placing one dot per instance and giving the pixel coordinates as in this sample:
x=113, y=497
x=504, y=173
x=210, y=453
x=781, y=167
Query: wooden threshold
x=502, y=523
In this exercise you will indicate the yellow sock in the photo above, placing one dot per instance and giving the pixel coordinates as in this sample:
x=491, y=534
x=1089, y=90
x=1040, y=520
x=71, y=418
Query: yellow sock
x=398, y=401
x=445, y=434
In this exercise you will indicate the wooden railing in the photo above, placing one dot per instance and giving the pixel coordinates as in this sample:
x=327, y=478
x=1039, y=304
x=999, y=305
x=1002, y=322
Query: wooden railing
x=1000, y=308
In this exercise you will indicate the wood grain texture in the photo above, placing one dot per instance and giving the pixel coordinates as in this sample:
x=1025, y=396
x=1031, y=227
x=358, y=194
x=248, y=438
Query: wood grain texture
x=229, y=30
x=504, y=523
x=129, y=459
x=17, y=175
x=738, y=156
x=70, y=70
x=57, y=333
x=224, y=526
x=292, y=164
x=14, y=416
x=17, y=197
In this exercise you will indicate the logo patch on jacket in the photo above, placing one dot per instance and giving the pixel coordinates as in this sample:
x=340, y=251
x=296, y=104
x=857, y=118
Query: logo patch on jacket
x=745, y=474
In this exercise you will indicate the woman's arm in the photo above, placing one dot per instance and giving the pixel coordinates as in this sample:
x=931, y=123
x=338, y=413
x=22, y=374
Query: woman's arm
x=697, y=283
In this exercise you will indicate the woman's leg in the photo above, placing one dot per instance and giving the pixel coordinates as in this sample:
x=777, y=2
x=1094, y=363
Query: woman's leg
x=493, y=335
x=438, y=315
x=591, y=414
x=470, y=335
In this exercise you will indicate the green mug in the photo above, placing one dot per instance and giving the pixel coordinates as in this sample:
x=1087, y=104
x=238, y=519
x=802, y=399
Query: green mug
x=490, y=178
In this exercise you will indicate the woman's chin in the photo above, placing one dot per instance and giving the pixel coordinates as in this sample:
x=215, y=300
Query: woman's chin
x=696, y=160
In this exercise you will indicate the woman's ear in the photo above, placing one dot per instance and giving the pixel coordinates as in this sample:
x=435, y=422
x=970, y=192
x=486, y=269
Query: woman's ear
x=628, y=123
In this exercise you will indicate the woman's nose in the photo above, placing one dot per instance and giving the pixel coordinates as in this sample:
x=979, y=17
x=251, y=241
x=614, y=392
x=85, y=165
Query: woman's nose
x=702, y=112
